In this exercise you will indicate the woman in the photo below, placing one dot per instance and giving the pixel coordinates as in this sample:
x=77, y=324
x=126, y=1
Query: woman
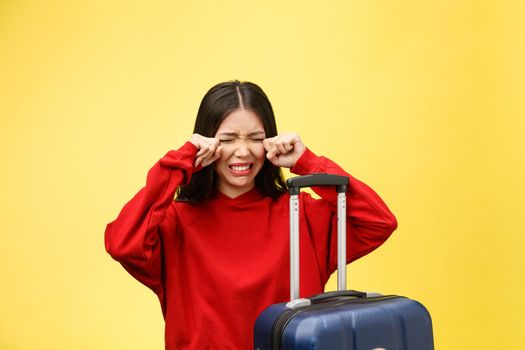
x=219, y=254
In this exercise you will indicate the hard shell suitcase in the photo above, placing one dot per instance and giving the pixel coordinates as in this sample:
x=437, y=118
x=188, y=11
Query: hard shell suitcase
x=344, y=319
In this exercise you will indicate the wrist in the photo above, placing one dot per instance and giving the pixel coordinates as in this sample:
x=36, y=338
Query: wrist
x=306, y=163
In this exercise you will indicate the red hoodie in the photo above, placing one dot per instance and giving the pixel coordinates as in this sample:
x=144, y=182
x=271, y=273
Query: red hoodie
x=216, y=265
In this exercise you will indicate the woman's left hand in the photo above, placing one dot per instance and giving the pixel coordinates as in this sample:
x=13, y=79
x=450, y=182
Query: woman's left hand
x=284, y=150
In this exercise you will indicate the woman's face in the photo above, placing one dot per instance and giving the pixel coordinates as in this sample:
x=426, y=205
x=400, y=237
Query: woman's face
x=242, y=153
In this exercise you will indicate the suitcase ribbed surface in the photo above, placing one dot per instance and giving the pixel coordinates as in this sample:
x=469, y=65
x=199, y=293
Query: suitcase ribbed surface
x=386, y=322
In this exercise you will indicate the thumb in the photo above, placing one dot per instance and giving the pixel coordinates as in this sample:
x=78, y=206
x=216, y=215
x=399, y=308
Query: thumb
x=266, y=144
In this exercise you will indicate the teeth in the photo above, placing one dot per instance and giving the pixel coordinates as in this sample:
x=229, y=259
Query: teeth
x=240, y=168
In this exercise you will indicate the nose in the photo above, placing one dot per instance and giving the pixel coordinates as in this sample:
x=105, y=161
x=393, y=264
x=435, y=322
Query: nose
x=242, y=149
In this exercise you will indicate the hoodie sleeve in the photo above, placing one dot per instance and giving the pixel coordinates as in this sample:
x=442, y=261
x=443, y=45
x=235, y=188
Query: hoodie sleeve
x=133, y=238
x=369, y=221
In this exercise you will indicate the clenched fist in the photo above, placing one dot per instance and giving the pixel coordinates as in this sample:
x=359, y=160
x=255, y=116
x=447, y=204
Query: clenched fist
x=209, y=149
x=284, y=150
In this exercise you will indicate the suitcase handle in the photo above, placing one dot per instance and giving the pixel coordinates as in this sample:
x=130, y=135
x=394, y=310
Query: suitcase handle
x=319, y=298
x=317, y=179
x=294, y=187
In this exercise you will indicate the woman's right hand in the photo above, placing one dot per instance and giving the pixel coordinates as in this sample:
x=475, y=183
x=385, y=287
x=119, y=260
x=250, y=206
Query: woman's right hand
x=209, y=149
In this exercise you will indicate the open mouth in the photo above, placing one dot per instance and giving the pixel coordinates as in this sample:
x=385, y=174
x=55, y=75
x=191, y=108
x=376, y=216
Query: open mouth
x=241, y=167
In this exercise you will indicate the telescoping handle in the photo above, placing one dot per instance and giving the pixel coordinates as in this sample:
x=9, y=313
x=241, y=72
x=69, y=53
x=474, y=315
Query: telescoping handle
x=294, y=187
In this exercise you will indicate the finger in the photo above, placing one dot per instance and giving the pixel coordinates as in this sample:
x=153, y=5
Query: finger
x=216, y=155
x=272, y=155
x=298, y=145
x=215, y=143
x=203, y=148
x=202, y=158
x=269, y=143
x=203, y=161
x=208, y=150
x=212, y=157
x=201, y=151
x=289, y=142
x=198, y=161
x=206, y=162
x=274, y=151
x=276, y=144
x=266, y=144
x=281, y=147
x=273, y=158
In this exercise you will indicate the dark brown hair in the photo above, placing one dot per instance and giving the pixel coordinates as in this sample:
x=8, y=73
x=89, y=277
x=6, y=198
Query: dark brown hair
x=217, y=104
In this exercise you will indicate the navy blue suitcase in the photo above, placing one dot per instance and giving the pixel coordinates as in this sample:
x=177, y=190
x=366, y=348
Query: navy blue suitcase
x=344, y=319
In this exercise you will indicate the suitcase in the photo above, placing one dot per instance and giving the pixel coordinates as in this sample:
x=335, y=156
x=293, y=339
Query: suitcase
x=344, y=319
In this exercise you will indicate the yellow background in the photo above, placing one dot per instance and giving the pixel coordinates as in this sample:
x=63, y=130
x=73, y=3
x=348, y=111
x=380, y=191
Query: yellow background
x=423, y=100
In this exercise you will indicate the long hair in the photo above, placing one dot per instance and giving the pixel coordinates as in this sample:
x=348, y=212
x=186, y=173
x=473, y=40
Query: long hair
x=217, y=104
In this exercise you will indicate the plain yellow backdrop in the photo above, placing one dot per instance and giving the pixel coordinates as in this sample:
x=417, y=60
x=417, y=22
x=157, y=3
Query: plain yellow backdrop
x=423, y=100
